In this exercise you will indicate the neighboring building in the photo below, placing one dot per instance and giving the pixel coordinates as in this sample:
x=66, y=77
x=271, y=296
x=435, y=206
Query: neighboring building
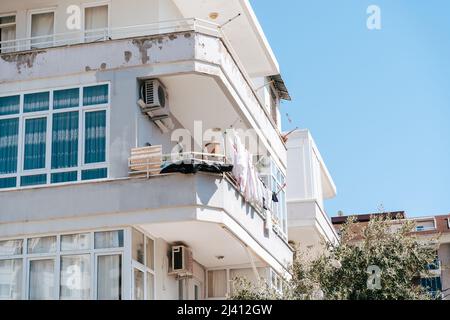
x=427, y=229
x=309, y=185
x=94, y=122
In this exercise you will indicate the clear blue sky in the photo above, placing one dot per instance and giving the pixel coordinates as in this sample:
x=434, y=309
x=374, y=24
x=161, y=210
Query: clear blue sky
x=376, y=102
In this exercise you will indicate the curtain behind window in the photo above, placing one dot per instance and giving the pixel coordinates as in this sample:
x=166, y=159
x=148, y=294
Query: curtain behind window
x=9, y=138
x=42, y=279
x=65, y=140
x=109, y=277
x=42, y=25
x=95, y=137
x=35, y=141
x=96, y=23
x=8, y=34
x=217, y=284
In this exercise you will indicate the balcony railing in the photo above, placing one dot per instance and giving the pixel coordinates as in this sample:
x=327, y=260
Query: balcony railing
x=105, y=34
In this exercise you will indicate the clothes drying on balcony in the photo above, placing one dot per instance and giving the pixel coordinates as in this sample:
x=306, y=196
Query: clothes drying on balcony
x=193, y=166
x=245, y=173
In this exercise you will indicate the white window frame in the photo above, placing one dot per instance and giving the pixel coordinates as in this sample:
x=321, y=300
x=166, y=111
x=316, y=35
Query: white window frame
x=82, y=110
x=6, y=25
x=56, y=256
x=85, y=6
x=143, y=267
x=30, y=14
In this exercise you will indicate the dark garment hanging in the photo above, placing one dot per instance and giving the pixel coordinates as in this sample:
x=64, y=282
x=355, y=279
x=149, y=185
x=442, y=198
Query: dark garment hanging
x=193, y=166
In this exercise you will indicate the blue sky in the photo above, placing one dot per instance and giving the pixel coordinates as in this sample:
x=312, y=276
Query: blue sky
x=376, y=102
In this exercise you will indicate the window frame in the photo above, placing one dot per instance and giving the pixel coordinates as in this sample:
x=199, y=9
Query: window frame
x=48, y=114
x=30, y=14
x=143, y=267
x=85, y=6
x=10, y=24
x=58, y=254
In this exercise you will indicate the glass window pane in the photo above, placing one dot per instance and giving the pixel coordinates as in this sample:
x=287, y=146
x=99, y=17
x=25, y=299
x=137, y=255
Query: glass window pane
x=95, y=137
x=42, y=245
x=138, y=246
x=9, y=140
x=8, y=37
x=7, y=19
x=11, y=247
x=34, y=102
x=94, y=174
x=35, y=143
x=150, y=286
x=33, y=180
x=64, y=177
x=150, y=253
x=109, y=277
x=95, y=95
x=42, y=29
x=75, y=277
x=217, y=284
x=138, y=285
x=42, y=279
x=73, y=242
x=96, y=23
x=69, y=98
x=108, y=239
x=11, y=279
x=9, y=105
x=65, y=140
x=8, y=183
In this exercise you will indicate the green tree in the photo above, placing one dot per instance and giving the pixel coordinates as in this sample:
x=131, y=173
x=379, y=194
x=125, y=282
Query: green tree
x=343, y=271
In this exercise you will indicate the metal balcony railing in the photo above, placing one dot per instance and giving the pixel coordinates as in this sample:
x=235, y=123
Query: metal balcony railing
x=105, y=34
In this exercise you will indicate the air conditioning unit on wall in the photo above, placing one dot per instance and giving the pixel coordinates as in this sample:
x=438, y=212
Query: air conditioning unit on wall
x=154, y=101
x=182, y=261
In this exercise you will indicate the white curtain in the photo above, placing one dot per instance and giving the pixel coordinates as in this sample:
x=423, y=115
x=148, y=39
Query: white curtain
x=11, y=279
x=96, y=23
x=42, y=279
x=217, y=284
x=8, y=34
x=42, y=25
x=139, y=285
x=75, y=277
x=108, y=239
x=109, y=277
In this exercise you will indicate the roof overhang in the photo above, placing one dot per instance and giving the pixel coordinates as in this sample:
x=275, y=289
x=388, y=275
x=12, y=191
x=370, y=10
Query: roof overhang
x=244, y=33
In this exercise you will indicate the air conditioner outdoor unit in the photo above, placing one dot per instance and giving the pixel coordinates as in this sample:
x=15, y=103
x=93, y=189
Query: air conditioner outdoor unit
x=154, y=101
x=182, y=261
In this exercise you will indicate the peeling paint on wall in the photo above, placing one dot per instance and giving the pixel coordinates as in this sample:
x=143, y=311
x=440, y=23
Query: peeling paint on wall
x=143, y=45
x=127, y=55
x=22, y=60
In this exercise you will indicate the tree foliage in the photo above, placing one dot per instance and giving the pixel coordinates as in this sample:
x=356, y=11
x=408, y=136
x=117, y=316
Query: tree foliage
x=340, y=272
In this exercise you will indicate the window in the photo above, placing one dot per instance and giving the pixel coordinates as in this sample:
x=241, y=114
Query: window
x=432, y=285
x=108, y=239
x=9, y=139
x=109, y=277
x=217, y=284
x=11, y=279
x=142, y=254
x=75, y=282
x=35, y=143
x=96, y=23
x=7, y=33
x=60, y=135
x=276, y=181
x=42, y=279
x=42, y=29
x=66, y=266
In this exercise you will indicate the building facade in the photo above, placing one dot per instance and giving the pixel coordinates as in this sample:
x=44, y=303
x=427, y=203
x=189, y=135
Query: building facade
x=141, y=154
x=432, y=230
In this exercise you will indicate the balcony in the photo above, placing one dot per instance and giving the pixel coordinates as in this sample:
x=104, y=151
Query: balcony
x=182, y=53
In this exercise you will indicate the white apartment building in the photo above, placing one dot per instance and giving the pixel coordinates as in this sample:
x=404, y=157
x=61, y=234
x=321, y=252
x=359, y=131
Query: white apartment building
x=120, y=122
x=310, y=185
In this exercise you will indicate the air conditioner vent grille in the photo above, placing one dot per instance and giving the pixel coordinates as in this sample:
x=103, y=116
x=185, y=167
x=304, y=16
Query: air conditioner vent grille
x=149, y=92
